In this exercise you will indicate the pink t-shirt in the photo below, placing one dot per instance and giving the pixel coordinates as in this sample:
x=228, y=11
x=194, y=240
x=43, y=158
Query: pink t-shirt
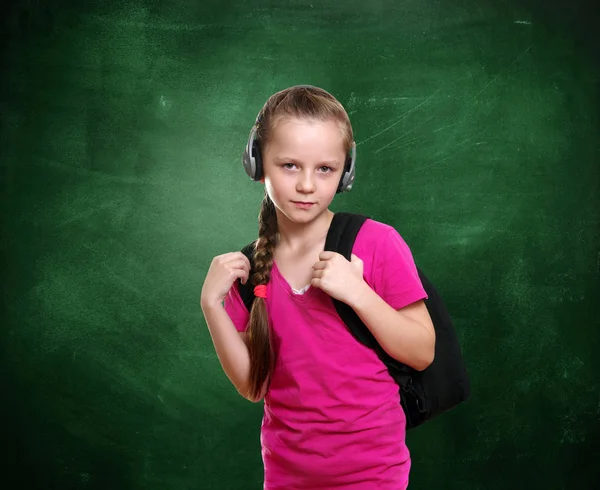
x=332, y=414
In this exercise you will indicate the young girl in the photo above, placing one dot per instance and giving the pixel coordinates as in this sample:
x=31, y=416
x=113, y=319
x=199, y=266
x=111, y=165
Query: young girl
x=332, y=414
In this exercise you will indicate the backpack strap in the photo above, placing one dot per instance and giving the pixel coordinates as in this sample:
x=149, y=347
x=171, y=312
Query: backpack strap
x=246, y=290
x=341, y=238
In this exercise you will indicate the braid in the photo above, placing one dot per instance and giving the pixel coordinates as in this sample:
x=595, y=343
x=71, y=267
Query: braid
x=259, y=334
x=265, y=245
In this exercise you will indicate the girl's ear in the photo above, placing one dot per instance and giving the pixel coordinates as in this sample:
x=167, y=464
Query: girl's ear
x=262, y=180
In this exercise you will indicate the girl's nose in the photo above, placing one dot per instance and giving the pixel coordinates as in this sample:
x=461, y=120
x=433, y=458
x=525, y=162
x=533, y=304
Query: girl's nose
x=306, y=182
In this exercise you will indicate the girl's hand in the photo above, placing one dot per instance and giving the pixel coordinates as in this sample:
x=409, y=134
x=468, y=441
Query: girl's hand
x=339, y=278
x=224, y=270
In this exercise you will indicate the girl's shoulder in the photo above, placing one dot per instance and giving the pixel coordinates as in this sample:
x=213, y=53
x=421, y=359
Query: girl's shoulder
x=374, y=233
x=389, y=264
x=378, y=226
x=382, y=243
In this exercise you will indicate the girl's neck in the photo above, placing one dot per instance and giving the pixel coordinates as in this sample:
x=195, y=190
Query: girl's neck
x=303, y=237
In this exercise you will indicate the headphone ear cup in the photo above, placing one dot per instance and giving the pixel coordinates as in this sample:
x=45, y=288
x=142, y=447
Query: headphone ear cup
x=251, y=158
x=258, y=160
x=341, y=186
x=349, y=170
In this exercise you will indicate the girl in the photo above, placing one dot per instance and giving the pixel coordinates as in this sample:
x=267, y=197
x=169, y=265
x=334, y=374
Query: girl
x=332, y=414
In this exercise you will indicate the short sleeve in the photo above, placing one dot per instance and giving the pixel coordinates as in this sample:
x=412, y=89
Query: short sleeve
x=395, y=276
x=236, y=309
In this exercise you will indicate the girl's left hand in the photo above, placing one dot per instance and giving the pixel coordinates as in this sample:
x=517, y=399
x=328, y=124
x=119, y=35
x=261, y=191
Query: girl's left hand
x=338, y=277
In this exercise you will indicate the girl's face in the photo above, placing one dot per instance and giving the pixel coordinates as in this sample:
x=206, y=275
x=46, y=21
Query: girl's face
x=303, y=163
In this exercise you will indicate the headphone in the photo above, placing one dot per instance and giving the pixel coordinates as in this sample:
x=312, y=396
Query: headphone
x=253, y=165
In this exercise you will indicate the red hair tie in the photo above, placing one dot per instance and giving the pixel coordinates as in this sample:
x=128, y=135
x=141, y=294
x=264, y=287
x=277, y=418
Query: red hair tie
x=260, y=291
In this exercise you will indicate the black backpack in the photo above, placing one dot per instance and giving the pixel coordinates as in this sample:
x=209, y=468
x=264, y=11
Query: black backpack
x=423, y=394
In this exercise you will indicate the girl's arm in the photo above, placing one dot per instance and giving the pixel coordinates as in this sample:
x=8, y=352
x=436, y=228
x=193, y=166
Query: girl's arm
x=231, y=348
x=406, y=334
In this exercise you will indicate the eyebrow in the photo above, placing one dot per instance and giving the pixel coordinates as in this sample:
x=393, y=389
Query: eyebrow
x=293, y=160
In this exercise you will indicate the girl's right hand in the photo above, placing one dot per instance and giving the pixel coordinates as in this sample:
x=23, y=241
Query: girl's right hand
x=223, y=272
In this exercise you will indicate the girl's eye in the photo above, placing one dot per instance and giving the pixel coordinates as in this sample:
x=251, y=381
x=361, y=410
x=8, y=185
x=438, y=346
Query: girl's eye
x=290, y=165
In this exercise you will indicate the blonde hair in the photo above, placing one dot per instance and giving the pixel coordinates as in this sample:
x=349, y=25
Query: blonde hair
x=298, y=102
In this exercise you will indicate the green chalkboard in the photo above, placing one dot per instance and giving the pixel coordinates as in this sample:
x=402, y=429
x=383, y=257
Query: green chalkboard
x=122, y=130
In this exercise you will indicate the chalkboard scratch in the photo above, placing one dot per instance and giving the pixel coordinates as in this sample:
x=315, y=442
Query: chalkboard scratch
x=496, y=77
x=402, y=116
x=85, y=245
x=403, y=135
x=443, y=127
x=459, y=149
x=160, y=26
x=410, y=142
